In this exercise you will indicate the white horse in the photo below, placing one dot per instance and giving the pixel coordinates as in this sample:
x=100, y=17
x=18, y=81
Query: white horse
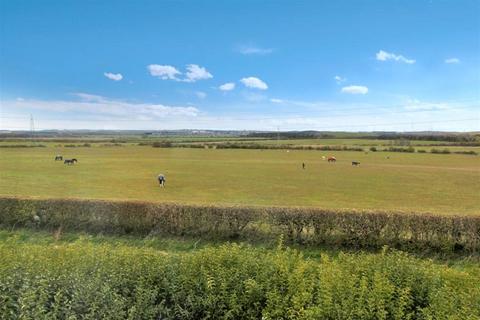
x=161, y=180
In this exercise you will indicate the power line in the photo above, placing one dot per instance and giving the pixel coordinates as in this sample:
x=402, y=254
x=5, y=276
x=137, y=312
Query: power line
x=32, y=125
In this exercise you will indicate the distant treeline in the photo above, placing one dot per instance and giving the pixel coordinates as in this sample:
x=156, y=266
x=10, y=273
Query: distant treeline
x=304, y=226
x=260, y=146
x=23, y=146
x=294, y=135
x=461, y=138
x=468, y=138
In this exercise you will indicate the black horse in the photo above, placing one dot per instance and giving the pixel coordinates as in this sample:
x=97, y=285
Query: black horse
x=355, y=163
x=70, y=161
x=58, y=157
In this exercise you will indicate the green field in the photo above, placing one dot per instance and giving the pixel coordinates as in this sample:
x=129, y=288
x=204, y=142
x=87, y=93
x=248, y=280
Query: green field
x=447, y=184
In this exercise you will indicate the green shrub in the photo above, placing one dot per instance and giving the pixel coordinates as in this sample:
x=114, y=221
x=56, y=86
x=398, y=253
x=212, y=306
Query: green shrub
x=471, y=152
x=162, y=144
x=440, y=151
x=85, y=281
x=400, y=149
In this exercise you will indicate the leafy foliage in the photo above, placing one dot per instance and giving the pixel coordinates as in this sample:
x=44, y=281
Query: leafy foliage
x=85, y=281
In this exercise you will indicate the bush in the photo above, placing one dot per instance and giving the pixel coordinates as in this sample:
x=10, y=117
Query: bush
x=400, y=149
x=311, y=226
x=471, y=152
x=162, y=144
x=422, y=151
x=373, y=149
x=230, y=282
x=440, y=151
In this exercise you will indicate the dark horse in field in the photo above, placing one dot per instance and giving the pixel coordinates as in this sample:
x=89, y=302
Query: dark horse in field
x=58, y=157
x=332, y=159
x=70, y=161
x=161, y=180
x=355, y=163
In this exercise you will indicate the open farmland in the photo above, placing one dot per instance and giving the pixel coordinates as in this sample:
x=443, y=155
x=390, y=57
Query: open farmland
x=446, y=184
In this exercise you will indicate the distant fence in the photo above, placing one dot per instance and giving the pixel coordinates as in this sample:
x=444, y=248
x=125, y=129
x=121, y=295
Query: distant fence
x=306, y=226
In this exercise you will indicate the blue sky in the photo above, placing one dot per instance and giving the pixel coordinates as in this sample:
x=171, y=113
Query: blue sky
x=292, y=65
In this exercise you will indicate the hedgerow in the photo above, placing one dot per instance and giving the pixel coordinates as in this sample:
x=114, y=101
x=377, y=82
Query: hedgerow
x=85, y=281
x=309, y=226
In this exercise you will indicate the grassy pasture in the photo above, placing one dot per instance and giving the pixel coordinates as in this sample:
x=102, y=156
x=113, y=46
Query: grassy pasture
x=447, y=184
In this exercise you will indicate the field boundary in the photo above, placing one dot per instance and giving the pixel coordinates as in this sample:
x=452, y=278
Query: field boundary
x=305, y=226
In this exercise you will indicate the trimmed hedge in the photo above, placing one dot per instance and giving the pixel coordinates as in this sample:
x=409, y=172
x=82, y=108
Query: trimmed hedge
x=310, y=226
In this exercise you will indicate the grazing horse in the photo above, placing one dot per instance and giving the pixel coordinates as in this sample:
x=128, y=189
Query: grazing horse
x=161, y=180
x=355, y=163
x=58, y=157
x=331, y=159
x=70, y=161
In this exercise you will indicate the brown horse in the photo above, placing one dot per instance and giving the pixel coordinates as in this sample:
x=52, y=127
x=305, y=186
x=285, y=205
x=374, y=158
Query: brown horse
x=332, y=159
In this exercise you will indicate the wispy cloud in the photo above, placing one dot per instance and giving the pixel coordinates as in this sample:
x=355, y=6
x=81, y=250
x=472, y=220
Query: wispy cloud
x=355, y=90
x=303, y=104
x=229, y=86
x=254, y=82
x=201, y=94
x=253, y=50
x=113, y=76
x=254, y=97
x=452, y=60
x=415, y=104
x=164, y=72
x=89, y=105
x=339, y=79
x=384, y=56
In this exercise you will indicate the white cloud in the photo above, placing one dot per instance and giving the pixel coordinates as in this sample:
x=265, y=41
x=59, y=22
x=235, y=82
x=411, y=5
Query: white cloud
x=201, y=94
x=275, y=100
x=195, y=72
x=355, y=90
x=253, y=50
x=384, y=56
x=253, y=82
x=113, y=76
x=164, y=72
x=339, y=79
x=452, y=60
x=229, y=86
